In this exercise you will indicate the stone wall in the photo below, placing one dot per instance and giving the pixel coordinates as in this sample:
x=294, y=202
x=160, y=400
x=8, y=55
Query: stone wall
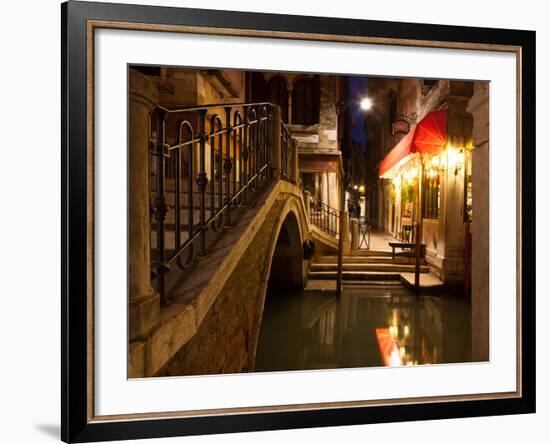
x=328, y=119
x=225, y=341
x=479, y=107
x=222, y=343
x=189, y=86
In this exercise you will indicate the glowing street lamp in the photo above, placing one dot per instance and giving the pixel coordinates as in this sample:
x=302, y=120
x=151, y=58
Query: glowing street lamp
x=366, y=103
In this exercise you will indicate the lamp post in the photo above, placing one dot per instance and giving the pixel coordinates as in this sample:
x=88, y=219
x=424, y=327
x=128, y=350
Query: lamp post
x=364, y=104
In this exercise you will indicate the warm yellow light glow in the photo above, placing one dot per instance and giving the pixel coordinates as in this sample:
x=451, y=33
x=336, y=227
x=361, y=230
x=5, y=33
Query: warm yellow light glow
x=355, y=187
x=366, y=103
x=410, y=174
x=361, y=189
x=435, y=161
x=432, y=173
x=451, y=158
x=406, y=330
x=455, y=158
x=395, y=359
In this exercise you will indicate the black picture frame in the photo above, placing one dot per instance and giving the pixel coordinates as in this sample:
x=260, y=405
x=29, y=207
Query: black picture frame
x=76, y=425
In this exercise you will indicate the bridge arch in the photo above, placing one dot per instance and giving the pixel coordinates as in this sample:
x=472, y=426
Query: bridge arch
x=284, y=264
x=286, y=268
x=220, y=327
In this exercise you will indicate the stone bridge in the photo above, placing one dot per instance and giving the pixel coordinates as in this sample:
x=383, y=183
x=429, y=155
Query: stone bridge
x=213, y=322
x=210, y=322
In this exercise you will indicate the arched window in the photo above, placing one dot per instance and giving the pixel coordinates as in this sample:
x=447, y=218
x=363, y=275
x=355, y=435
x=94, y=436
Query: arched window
x=305, y=101
x=278, y=94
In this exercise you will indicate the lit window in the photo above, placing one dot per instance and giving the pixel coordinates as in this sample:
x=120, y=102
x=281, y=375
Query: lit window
x=431, y=194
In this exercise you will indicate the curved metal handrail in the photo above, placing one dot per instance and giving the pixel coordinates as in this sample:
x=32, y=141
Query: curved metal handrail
x=211, y=167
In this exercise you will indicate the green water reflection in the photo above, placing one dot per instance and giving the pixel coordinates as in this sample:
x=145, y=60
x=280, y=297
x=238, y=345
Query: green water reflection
x=369, y=326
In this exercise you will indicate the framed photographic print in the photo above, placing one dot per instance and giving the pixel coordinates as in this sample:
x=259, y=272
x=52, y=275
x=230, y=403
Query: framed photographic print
x=275, y=221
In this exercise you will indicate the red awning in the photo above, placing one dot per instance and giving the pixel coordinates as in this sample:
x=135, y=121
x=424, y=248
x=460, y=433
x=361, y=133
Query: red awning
x=429, y=136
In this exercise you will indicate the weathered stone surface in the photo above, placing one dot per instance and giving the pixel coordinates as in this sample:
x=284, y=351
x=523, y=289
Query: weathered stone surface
x=144, y=304
x=143, y=316
x=136, y=359
x=479, y=107
x=214, y=319
x=174, y=330
x=328, y=119
x=226, y=335
x=222, y=342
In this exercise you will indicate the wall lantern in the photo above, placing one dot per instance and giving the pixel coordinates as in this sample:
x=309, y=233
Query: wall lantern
x=455, y=159
x=402, y=123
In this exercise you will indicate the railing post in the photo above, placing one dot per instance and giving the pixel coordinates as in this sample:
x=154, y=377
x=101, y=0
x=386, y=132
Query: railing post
x=276, y=142
x=346, y=234
x=256, y=146
x=228, y=165
x=202, y=182
x=307, y=204
x=267, y=139
x=295, y=163
x=245, y=154
x=144, y=305
x=354, y=234
x=160, y=208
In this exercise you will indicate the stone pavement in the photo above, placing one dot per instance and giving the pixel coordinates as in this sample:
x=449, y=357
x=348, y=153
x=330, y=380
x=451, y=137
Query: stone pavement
x=378, y=251
x=379, y=241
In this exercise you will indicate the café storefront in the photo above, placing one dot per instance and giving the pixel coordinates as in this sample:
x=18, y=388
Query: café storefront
x=428, y=179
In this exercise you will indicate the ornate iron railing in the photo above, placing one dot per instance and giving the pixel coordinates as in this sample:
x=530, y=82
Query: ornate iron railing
x=325, y=218
x=205, y=162
x=287, y=154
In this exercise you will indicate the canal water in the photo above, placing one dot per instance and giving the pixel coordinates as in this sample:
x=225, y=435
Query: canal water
x=370, y=325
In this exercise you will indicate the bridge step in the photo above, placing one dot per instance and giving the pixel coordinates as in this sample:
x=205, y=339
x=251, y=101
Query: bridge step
x=367, y=260
x=330, y=284
x=355, y=275
x=363, y=253
x=374, y=283
x=369, y=267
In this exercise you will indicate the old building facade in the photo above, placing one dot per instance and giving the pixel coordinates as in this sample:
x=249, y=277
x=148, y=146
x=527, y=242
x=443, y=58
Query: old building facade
x=419, y=162
x=308, y=109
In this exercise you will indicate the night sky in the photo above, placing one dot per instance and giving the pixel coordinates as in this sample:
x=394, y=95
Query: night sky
x=358, y=88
